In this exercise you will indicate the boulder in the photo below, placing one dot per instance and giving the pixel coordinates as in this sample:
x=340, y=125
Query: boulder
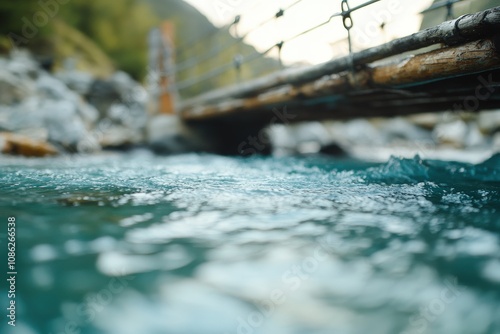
x=13, y=89
x=21, y=145
x=333, y=149
x=51, y=88
x=358, y=132
x=118, y=136
x=102, y=94
x=427, y=121
x=77, y=81
x=474, y=136
x=489, y=121
x=57, y=121
x=167, y=134
x=496, y=142
x=459, y=134
x=23, y=65
x=397, y=129
x=453, y=133
x=124, y=85
x=22, y=116
x=88, y=113
x=63, y=123
x=55, y=108
x=283, y=142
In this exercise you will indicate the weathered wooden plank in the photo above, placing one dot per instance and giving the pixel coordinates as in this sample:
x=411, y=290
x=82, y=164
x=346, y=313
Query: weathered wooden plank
x=443, y=63
x=464, y=29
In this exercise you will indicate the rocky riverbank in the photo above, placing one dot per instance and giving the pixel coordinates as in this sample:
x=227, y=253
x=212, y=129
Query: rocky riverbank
x=73, y=112
x=460, y=136
x=70, y=111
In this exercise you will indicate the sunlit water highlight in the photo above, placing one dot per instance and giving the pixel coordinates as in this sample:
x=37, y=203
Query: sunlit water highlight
x=206, y=244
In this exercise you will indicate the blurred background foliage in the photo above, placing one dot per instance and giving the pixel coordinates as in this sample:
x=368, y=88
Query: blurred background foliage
x=103, y=36
x=437, y=16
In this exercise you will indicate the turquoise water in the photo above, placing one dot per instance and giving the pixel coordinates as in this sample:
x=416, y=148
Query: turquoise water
x=206, y=244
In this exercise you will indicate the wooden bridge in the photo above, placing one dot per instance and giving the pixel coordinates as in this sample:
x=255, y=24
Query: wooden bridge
x=453, y=66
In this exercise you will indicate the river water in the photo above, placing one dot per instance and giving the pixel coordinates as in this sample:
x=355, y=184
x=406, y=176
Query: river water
x=190, y=244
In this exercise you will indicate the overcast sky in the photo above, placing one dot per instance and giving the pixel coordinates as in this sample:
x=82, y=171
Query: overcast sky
x=322, y=44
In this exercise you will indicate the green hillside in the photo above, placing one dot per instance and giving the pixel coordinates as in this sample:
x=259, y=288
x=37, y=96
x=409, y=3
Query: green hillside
x=119, y=28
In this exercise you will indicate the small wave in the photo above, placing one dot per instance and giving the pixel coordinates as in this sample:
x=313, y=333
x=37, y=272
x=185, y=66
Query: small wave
x=401, y=170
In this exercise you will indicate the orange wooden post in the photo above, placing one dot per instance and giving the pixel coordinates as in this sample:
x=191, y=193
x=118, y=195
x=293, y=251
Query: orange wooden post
x=167, y=67
x=162, y=68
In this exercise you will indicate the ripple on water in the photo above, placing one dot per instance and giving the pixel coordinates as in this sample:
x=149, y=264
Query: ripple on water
x=294, y=245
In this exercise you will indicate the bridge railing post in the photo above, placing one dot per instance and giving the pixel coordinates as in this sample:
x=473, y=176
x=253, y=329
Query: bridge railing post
x=161, y=71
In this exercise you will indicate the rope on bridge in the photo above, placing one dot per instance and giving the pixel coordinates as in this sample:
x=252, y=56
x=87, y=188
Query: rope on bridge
x=184, y=48
x=239, y=60
x=196, y=60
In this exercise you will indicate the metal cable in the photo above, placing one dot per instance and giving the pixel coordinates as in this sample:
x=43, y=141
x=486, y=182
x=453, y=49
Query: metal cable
x=440, y=4
x=189, y=45
x=221, y=69
x=346, y=12
x=198, y=60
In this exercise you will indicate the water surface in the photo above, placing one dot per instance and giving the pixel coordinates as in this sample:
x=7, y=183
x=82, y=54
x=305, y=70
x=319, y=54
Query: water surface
x=205, y=244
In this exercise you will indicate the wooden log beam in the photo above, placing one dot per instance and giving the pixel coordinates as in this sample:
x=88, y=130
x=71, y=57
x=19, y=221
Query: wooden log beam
x=473, y=57
x=443, y=63
x=464, y=29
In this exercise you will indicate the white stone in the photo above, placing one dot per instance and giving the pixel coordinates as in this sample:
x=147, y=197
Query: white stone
x=489, y=121
x=453, y=133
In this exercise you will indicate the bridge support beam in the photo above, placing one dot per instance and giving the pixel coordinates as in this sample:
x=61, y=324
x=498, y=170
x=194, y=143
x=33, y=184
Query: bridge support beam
x=364, y=84
x=231, y=137
x=378, y=86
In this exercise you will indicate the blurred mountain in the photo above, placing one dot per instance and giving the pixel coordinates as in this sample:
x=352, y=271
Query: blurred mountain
x=99, y=33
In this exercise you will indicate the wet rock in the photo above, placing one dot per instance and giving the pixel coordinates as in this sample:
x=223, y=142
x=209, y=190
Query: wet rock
x=358, y=131
x=283, y=142
x=401, y=129
x=131, y=116
x=305, y=138
x=77, y=81
x=63, y=123
x=57, y=121
x=489, y=121
x=50, y=87
x=125, y=126
x=310, y=132
x=120, y=137
x=426, y=121
x=474, y=136
x=67, y=108
x=124, y=85
x=88, y=113
x=21, y=145
x=22, y=116
x=496, y=142
x=453, y=133
x=14, y=89
x=119, y=89
x=308, y=147
x=459, y=134
x=167, y=134
x=121, y=102
x=22, y=65
x=102, y=94
x=333, y=149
